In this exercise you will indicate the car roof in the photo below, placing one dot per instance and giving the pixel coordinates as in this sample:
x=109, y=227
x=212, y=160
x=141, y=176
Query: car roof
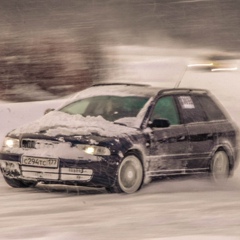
x=131, y=89
x=153, y=89
x=184, y=91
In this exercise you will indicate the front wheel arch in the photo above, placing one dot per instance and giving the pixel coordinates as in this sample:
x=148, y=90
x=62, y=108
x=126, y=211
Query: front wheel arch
x=139, y=155
x=135, y=152
x=135, y=167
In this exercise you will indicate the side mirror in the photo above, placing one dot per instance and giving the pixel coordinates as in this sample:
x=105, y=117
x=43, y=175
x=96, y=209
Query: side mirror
x=48, y=110
x=160, y=123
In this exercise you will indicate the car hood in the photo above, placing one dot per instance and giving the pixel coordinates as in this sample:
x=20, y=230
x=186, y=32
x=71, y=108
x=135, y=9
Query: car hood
x=62, y=124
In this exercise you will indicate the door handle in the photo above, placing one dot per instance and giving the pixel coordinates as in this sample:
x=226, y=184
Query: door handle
x=210, y=136
x=181, y=138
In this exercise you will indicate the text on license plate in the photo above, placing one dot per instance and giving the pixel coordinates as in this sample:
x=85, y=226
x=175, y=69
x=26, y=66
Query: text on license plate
x=39, y=162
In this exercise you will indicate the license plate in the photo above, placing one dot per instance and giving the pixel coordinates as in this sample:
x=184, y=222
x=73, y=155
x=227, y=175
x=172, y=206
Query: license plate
x=40, y=162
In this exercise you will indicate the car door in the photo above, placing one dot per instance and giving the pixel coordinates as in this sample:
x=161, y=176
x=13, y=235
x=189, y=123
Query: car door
x=200, y=132
x=224, y=132
x=168, y=146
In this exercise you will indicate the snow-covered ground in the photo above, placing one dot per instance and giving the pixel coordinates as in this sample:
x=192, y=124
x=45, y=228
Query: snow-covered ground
x=177, y=209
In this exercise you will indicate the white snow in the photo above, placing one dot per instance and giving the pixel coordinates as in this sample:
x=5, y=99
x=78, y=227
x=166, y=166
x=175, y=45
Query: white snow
x=177, y=209
x=56, y=123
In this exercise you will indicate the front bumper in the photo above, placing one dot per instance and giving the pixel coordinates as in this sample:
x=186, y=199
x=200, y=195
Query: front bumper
x=100, y=173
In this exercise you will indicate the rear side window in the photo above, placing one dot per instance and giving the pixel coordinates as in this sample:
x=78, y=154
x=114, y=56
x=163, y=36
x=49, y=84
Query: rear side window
x=191, y=109
x=212, y=110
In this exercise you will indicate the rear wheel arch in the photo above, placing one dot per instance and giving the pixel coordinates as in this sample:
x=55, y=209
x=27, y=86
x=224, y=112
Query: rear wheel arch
x=220, y=169
x=229, y=154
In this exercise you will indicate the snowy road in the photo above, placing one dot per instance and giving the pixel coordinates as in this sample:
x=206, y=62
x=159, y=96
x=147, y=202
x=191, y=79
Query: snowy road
x=191, y=208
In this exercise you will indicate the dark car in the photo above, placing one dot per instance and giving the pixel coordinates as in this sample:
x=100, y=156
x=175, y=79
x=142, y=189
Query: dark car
x=120, y=136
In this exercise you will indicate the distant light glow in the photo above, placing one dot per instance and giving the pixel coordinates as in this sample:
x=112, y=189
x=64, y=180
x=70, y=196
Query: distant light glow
x=224, y=69
x=200, y=65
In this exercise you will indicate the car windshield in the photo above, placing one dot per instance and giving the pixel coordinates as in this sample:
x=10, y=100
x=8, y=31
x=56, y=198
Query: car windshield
x=110, y=108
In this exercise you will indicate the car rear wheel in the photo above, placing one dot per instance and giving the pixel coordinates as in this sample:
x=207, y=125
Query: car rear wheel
x=220, y=167
x=15, y=183
x=130, y=176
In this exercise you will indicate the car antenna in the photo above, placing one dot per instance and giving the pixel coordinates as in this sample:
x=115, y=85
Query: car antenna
x=181, y=77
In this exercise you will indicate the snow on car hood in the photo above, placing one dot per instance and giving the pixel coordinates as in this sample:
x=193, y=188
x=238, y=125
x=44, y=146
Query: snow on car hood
x=59, y=123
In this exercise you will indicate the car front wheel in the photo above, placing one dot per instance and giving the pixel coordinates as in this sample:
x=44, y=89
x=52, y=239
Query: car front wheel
x=130, y=175
x=220, y=167
x=15, y=183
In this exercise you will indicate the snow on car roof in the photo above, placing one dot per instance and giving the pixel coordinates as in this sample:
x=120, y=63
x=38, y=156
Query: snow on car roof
x=118, y=89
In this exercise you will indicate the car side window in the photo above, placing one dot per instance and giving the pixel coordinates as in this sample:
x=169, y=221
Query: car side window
x=166, y=108
x=191, y=109
x=212, y=110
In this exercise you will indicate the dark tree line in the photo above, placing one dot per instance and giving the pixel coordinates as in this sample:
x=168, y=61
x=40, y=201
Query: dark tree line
x=57, y=67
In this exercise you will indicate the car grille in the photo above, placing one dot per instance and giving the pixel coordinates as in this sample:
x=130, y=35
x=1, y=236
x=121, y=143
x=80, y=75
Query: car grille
x=28, y=143
x=37, y=143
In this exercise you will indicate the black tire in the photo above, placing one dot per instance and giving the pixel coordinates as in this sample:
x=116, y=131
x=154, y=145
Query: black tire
x=130, y=176
x=220, y=170
x=15, y=183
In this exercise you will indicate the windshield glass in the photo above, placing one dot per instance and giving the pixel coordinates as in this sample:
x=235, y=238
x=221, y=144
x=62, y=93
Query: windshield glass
x=110, y=108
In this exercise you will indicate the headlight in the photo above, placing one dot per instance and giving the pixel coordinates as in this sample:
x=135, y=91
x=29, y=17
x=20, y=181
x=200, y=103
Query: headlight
x=94, y=150
x=10, y=142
